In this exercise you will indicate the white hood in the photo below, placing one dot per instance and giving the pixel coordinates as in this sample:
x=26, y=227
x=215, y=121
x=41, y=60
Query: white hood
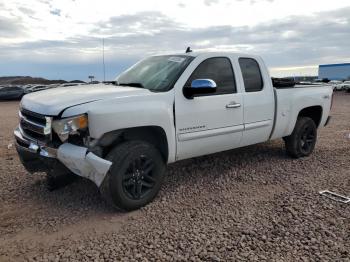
x=53, y=101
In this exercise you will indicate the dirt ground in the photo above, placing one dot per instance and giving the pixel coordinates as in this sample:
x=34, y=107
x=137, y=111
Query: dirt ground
x=252, y=204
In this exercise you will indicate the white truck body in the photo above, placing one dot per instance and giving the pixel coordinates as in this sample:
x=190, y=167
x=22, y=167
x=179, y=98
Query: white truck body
x=192, y=127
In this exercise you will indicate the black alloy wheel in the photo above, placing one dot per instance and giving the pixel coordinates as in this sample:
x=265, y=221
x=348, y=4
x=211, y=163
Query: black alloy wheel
x=138, y=179
x=135, y=177
x=307, y=139
x=303, y=139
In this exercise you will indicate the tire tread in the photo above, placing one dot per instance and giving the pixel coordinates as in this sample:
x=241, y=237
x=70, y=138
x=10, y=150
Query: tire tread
x=291, y=141
x=117, y=156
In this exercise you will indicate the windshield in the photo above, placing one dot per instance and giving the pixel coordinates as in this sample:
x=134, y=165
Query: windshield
x=156, y=73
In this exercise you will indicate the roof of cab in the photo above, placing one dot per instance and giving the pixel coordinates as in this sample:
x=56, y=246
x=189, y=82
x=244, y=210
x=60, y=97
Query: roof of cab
x=216, y=53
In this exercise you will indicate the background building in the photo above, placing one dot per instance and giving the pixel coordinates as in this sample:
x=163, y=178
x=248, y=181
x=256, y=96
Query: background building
x=334, y=71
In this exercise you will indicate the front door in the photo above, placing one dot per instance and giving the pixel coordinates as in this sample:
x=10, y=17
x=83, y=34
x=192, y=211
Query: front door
x=212, y=122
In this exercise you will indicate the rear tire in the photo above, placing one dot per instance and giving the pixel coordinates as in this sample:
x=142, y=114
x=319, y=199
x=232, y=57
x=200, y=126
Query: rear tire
x=135, y=177
x=302, y=141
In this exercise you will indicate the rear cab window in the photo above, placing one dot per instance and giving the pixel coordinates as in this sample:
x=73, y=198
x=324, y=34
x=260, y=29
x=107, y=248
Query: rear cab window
x=251, y=73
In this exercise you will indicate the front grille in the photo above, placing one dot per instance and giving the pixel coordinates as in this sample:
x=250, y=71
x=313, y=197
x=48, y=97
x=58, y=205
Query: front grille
x=35, y=126
x=35, y=117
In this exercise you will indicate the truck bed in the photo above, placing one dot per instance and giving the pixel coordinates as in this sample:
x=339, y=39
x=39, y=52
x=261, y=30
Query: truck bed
x=290, y=101
x=301, y=86
x=282, y=83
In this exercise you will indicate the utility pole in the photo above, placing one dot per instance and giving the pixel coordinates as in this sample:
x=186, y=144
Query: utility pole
x=103, y=59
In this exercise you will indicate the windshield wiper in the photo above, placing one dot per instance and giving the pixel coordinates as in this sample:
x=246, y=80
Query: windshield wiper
x=132, y=84
x=110, y=82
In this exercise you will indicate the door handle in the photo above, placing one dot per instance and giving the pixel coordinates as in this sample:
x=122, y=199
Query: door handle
x=233, y=105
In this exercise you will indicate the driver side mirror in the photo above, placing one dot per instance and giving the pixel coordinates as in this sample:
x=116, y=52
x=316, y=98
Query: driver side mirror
x=199, y=86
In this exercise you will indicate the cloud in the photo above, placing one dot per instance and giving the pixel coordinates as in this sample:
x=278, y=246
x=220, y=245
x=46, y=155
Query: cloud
x=142, y=23
x=26, y=11
x=252, y=2
x=293, y=41
x=55, y=11
x=11, y=28
x=210, y=2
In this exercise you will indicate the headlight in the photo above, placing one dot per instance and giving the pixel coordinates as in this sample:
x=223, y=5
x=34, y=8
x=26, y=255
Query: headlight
x=69, y=126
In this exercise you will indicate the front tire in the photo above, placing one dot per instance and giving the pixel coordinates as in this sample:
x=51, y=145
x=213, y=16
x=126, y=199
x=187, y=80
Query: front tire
x=135, y=177
x=302, y=141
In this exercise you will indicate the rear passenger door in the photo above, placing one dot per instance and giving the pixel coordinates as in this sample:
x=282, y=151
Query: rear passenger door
x=259, y=102
x=213, y=122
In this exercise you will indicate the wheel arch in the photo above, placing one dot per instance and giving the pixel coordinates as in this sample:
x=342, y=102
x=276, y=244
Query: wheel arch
x=154, y=135
x=314, y=112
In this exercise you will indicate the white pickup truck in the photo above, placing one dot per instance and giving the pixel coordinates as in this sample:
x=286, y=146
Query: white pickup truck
x=164, y=109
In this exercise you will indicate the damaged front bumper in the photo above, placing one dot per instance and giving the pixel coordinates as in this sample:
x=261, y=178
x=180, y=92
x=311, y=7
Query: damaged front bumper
x=37, y=157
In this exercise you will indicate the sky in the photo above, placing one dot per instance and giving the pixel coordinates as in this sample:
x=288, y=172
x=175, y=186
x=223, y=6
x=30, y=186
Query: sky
x=62, y=39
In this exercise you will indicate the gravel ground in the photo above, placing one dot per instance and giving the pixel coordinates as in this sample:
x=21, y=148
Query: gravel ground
x=251, y=204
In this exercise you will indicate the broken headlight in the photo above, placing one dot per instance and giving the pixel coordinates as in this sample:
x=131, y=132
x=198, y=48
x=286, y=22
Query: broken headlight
x=70, y=126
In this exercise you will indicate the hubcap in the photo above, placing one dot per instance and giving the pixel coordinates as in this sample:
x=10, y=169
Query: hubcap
x=138, y=179
x=307, y=139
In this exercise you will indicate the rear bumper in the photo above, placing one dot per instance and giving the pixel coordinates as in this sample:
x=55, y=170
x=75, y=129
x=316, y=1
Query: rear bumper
x=66, y=158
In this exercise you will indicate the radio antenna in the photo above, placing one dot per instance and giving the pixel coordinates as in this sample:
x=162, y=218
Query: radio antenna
x=103, y=59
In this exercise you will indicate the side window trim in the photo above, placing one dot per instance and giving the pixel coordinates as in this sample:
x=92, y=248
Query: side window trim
x=235, y=91
x=261, y=76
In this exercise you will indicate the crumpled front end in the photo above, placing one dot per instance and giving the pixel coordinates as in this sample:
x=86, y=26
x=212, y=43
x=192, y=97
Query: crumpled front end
x=39, y=152
x=83, y=163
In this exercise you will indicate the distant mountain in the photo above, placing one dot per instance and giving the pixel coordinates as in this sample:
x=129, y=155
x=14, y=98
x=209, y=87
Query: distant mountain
x=24, y=80
x=77, y=81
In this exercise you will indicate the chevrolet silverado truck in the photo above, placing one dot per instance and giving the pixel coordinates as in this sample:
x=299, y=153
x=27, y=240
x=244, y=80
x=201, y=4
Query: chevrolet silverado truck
x=161, y=110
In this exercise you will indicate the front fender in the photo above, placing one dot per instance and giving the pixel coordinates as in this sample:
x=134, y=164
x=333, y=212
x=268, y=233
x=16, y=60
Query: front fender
x=155, y=109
